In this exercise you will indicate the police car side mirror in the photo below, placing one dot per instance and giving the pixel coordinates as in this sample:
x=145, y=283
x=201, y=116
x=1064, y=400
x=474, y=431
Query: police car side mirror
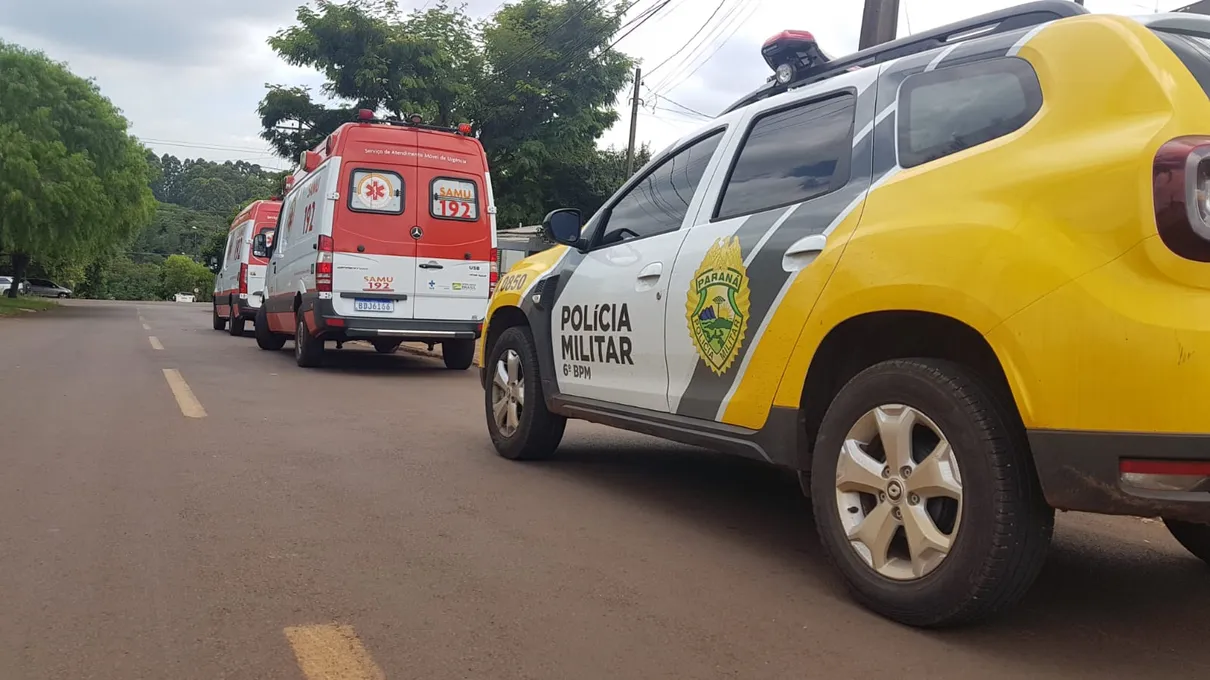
x=259, y=247
x=563, y=226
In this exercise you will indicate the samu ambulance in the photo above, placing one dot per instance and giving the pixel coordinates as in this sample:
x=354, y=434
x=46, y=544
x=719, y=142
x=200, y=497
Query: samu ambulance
x=238, y=284
x=387, y=234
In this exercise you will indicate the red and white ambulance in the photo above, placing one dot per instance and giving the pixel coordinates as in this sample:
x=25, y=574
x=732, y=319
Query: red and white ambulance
x=238, y=284
x=387, y=234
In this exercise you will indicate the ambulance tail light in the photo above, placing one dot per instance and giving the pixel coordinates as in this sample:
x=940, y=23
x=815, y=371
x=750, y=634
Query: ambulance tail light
x=323, y=265
x=1180, y=182
x=494, y=276
x=243, y=281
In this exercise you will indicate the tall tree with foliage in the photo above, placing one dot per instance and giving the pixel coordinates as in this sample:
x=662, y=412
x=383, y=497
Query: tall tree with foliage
x=537, y=79
x=73, y=182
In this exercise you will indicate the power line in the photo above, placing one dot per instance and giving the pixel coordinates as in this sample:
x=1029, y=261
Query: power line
x=686, y=108
x=636, y=24
x=691, y=39
x=698, y=43
x=201, y=145
x=682, y=77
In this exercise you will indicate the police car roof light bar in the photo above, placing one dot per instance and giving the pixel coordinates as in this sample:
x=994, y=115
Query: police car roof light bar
x=811, y=69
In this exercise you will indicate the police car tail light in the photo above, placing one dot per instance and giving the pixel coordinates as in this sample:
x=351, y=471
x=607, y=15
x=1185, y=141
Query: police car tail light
x=1165, y=475
x=1180, y=181
x=323, y=265
x=243, y=280
x=494, y=277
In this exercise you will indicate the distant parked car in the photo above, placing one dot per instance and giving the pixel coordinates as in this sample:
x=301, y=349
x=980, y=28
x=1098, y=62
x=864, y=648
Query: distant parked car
x=6, y=282
x=46, y=288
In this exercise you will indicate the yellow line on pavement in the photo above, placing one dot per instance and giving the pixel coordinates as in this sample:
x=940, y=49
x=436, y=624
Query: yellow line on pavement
x=155, y=342
x=332, y=652
x=190, y=406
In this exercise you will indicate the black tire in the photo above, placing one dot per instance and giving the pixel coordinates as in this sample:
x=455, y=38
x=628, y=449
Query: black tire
x=386, y=346
x=1005, y=526
x=237, y=324
x=219, y=322
x=308, y=351
x=539, y=431
x=1195, y=537
x=458, y=354
x=265, y=338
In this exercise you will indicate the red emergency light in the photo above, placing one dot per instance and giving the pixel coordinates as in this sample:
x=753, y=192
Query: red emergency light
x=365, y=114
x=464, y=128
x=791, y=52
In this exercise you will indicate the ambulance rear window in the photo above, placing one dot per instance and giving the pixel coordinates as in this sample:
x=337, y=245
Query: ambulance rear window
x=1194, y=52
x=376, y=191
x=454, y=199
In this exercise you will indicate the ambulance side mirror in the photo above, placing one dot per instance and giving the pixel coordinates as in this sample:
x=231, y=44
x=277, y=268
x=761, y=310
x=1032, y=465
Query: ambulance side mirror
x=260, y=246
x=563, y=226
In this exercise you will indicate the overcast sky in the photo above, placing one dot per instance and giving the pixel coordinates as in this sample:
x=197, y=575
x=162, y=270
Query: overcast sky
x=189, y=74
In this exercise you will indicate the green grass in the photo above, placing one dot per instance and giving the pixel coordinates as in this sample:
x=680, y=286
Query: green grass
x=21, y=305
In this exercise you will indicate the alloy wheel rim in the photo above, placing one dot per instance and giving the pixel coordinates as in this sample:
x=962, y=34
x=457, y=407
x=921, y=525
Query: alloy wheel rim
x=508, y=393
x=899, y=492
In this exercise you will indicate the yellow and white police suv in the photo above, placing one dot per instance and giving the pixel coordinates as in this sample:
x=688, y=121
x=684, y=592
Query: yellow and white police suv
x=955, y=281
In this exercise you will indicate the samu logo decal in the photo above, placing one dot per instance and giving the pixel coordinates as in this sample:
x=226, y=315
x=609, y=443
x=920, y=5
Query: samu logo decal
x=717, y=307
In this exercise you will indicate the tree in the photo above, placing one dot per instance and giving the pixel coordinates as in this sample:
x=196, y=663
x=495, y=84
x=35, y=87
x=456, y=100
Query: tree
x=72, y=181
x=179, y=274
x=537, y=79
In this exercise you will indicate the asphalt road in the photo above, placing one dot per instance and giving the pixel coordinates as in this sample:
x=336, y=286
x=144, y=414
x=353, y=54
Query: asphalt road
x=354, y=522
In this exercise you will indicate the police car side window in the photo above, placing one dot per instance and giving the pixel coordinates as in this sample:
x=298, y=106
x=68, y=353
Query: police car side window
x=659, y=202
x=951, y=109
x=790, y=155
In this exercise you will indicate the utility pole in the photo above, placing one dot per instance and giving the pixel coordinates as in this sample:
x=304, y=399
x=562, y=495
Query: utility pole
x=878, y=23
x=634, y=121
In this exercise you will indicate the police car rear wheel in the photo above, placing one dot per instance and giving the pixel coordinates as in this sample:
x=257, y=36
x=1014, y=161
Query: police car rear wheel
x=386, y=346
x=925, y=496
x=458, y=354
x=1194, y=537
x=520, y=426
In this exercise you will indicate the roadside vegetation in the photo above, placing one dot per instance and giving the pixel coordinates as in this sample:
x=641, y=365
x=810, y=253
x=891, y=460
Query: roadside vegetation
x=85, y=204
x=24, y=304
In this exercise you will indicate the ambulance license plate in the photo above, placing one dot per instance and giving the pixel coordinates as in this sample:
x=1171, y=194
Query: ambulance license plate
x=360, y=305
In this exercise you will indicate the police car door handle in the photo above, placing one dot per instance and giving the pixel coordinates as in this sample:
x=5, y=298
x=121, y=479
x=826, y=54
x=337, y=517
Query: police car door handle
x=649, y=275
x=803, y=252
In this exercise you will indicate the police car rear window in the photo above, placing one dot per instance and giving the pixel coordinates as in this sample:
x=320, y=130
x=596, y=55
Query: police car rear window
x=1194, y=53
x=948, y=110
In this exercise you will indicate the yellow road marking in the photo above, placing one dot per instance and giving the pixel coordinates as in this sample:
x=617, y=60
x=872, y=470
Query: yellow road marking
x=155, y=342
x=332, y=652
x=190, y=406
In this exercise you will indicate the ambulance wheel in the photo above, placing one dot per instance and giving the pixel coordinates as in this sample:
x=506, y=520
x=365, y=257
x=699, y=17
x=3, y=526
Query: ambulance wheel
x=237, y=323
x=265, y=338
x=1194, y=537
x=925, y=495
x=386, y=346
x=458, y=354
x=219, y=322
x=520, y=426
x=308, y=351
